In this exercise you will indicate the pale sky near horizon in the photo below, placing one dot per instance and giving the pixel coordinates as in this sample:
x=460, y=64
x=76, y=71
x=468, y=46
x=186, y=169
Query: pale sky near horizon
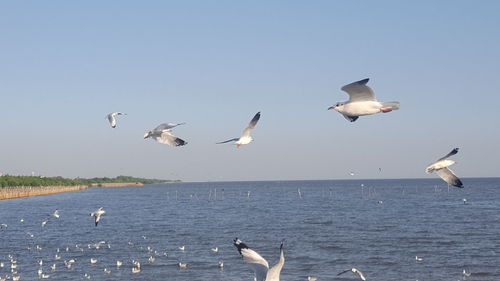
x=64, y=65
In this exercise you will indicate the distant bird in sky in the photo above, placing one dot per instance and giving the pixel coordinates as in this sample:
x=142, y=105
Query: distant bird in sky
x=162, y=134
x=97, y=214
x=441, y=168
x=361, y=102
x=245, y=137
x=354, y=270
x=259, y=265
x=351, y=173
x=112, y=118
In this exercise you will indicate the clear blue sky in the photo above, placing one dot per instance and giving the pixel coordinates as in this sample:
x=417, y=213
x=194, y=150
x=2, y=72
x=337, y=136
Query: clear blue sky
x=213, y=64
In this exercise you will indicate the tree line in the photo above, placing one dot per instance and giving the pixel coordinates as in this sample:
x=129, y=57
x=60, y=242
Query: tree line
x=9, y=181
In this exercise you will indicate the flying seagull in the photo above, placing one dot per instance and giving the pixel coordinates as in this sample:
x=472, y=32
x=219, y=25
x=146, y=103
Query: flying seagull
x=245, y=137
x=441, y=168
x=259, y=265
x=162, y=134
x=361, y=102
x=354, y=270
x=97, y=214
x=112, y=118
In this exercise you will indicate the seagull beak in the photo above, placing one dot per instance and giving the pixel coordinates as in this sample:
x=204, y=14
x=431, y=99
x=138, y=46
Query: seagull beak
x=331, y=107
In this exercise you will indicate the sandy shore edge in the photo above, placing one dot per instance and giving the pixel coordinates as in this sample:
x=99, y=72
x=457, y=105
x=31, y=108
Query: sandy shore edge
x=27, y=191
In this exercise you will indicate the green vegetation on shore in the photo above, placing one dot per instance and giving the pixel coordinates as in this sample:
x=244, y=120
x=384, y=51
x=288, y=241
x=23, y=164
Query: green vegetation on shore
x=10, y=181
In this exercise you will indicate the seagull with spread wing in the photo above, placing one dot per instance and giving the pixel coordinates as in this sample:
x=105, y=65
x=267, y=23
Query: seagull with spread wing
x=354, y=270
x=112, y=118
x=97, y=214
x=441, y=168
x=245, y=138
x=361, y=102
x=259, y=265
x=162, y=134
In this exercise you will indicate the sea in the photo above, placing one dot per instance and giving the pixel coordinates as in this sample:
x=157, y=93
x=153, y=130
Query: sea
x=376, y=226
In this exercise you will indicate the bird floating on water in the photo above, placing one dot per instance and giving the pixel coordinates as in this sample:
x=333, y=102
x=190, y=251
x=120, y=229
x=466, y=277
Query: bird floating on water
x=362, y=102
x=182, y=265
x=162, y=134
x=245, y=137
x=354, y=270
x=55, y=214
x=417, y=258
x=215, y=250
x=441, y=168
x=259, y=265
x=112, y=118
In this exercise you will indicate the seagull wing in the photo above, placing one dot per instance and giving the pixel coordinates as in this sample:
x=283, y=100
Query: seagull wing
x=167, y=126
x=350, y=118
x=256, y=261
x=112, y=120
x=251, y=125
x=453, y=152
x=167, y=138
x=448, y=176
x=235, y=139
x=361, y=275
x=274, y=272
x=358, y=91
x=347, y=270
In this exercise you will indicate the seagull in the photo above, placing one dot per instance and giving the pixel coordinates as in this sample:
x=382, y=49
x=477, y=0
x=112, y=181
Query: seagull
x=215, y=250
x=259, y=265
x=44, y=222
x=162, y=134
x=441, y=168
x=417, y=258
x=93, y=260
x=245, y=137
x=182, y=248
x=466, y=274
x=221, y=264
x=361, y=102
x=97, y=214
x=56, y=214
x=112, y=118
x=182, y=265
x=119, y=263
x=310, y=278
x=354, y=270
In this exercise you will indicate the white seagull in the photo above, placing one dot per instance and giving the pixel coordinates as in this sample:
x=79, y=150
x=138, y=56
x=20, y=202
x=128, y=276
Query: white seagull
x=112, y=118
x=162, y=134
x=245, y=137
x=97, y=214
x=441, y=168
x=354, y=270
x=361, y=102
x=259, y=265
x=56, y=214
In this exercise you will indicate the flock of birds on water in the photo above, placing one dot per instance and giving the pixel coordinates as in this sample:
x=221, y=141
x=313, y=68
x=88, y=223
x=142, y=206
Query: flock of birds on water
x=361, y=102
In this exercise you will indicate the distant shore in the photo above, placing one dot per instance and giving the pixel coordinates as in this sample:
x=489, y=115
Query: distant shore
x=14, y=192
x=117, y=184
x=27, y=191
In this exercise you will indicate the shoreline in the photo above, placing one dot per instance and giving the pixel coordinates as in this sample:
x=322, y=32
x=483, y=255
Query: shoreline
x=15, y=192
x=117, y=184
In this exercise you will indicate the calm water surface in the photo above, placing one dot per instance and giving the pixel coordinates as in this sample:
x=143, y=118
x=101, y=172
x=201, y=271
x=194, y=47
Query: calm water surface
x=328, y=226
